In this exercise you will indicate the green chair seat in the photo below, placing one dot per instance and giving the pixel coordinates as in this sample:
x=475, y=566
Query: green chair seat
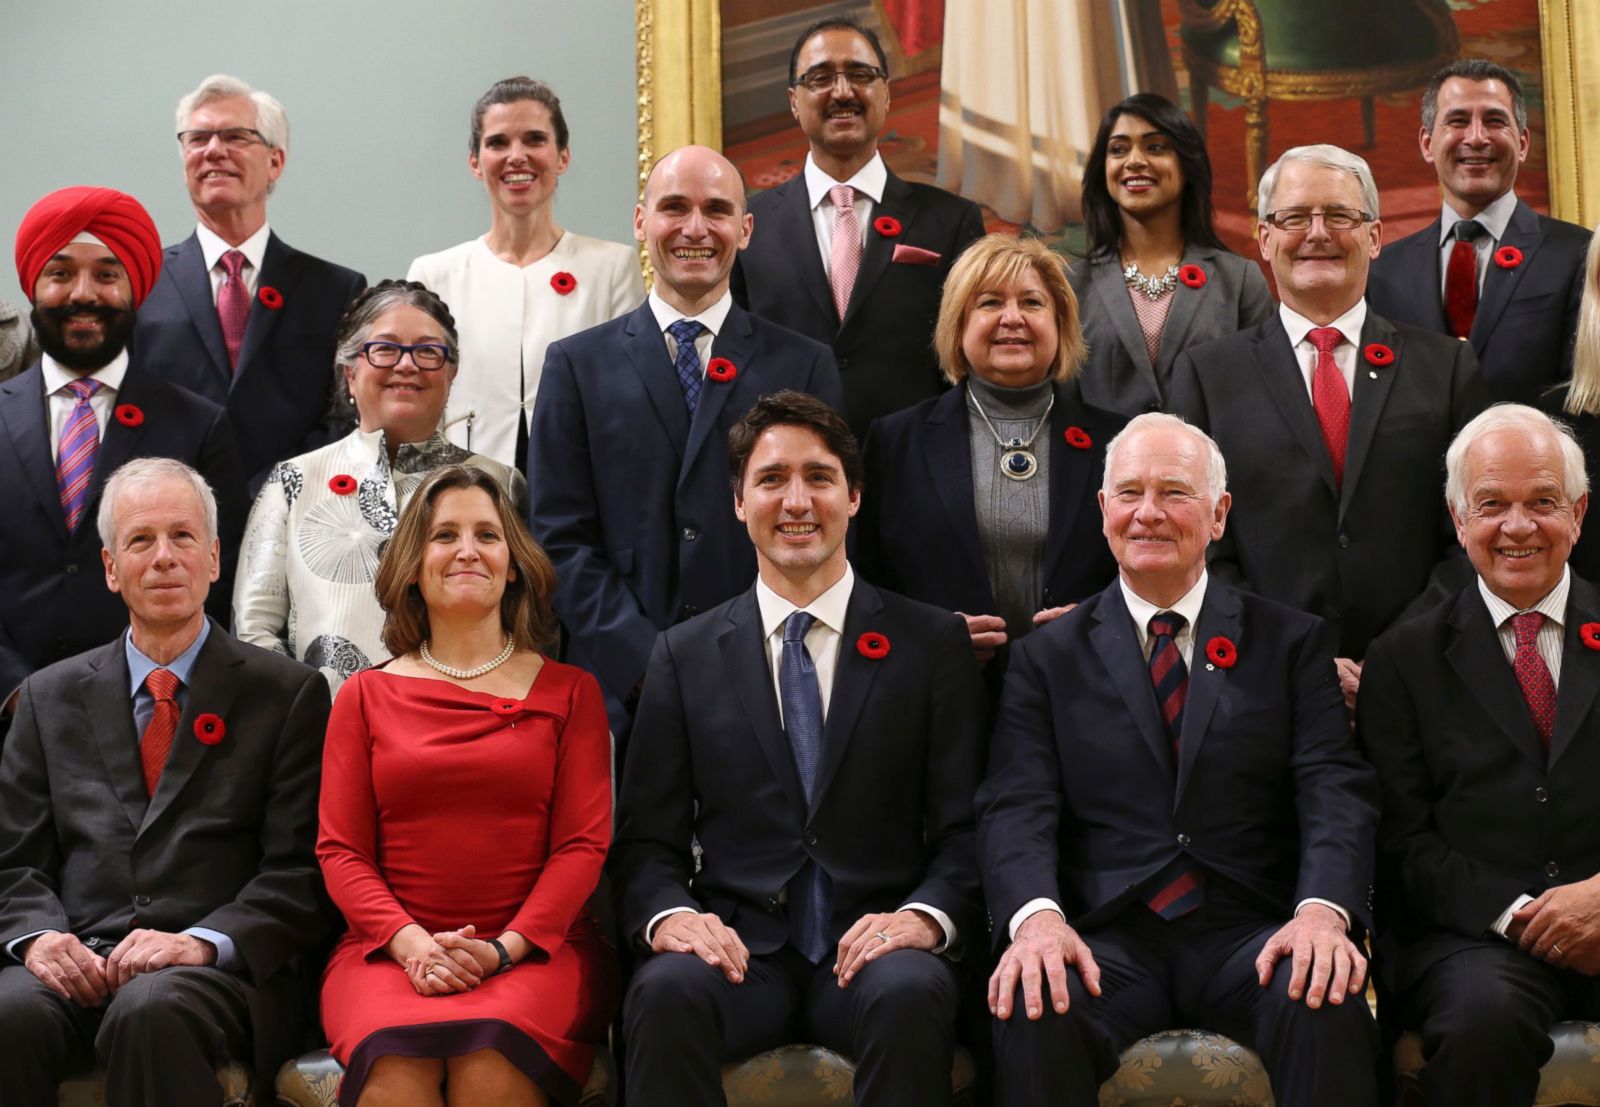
x=1187, y=1068
x=811, y=1076
x=89, y=1090
x=1571, y=1078
x=312, y=1080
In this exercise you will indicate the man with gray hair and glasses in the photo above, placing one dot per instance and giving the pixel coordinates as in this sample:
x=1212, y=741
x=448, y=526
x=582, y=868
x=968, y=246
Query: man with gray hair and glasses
x=1333, y=420
x=1481, y=718
x=240, y=316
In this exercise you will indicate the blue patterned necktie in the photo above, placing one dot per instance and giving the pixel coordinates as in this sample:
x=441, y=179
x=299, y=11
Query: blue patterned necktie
x=811, y=891
x=75, y=457
x=687, y=362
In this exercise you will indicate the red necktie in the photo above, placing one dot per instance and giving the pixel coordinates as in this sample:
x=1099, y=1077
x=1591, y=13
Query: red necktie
x=233, y=304
x=1461, y=280
x=1168, y=673
x=845, y=257
x=156, y=742
x=1330, y=398
x=1533, y=674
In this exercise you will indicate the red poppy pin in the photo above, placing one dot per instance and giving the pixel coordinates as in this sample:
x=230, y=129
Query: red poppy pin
x=1377, y=353
x=342, y=484
x=1193, y=276
x=888, y=226
x=564, y=283
x=1589, y=635
x=270, y=297
x=1078, y=438
x=1221, y=652
x=210, y=728
x=1508, y=257
x=506, y=707
x=721, y=369
x=873, y=645
x=129, y=415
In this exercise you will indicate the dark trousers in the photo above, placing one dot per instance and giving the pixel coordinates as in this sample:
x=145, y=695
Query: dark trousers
x=161, y=1038
x=1197, y=971
x=1485, y=1014
x=896, y=1020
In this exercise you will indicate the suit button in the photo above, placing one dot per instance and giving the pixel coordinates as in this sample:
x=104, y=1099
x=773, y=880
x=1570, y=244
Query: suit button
x=1551, y=869
x=1540, y=795
x=810, y=838
x=687, y=611
x=690, y=534
x=1183, y=840
x=142, y=901
x=72, y=569
x=844, y=363
x=1331, y=611
x=772, y=903
x=1344, y=541
x=1152, y=407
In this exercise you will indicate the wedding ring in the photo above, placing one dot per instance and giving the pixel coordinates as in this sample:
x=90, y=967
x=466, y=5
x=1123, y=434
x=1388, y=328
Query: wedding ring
x=1555, y=949
x=882, y=934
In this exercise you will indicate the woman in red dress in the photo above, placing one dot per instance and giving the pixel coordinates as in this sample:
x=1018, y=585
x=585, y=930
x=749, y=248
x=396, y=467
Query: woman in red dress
x=466, y=811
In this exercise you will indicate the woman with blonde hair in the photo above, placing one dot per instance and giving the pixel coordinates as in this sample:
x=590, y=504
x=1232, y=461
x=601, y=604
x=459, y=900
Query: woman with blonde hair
x=1577, y=402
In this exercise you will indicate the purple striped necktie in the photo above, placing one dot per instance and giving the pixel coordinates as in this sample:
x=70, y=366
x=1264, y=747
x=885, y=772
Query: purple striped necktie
x=80, y=445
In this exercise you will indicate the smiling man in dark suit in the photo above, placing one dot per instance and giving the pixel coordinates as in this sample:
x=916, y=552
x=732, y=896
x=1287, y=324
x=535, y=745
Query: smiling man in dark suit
x=1333, y=419
x=814, y=745
x=240, y=316
x=1490, y=268
x=1176, y=828
x=871, y=291
x=1481, y=717
x=627, y=453
x=158, y=803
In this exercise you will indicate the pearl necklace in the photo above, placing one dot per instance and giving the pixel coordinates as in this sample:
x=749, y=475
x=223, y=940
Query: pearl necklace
x=477, y=671
x=1153, y=287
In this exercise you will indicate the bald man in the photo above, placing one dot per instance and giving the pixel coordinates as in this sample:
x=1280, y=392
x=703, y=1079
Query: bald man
x=628, y=484
x=86, y=258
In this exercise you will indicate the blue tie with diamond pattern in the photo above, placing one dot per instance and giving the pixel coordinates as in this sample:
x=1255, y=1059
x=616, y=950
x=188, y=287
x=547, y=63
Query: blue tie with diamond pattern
x=687, y=361
x=811, y=890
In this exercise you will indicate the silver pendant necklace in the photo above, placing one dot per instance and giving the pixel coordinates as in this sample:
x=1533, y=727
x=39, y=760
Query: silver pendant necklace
x=1016, y=455
x=475, y=671
x=1153, y=287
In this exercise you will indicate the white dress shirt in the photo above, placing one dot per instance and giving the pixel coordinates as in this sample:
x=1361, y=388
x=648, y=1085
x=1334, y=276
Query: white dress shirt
x=712, y=319
x=1344, y=354
x=868, y=182
x=253, y=248
x=1494, y=219
x=61, y=402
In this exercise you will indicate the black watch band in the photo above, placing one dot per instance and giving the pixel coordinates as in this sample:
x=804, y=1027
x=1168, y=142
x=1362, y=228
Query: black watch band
x=505, y=958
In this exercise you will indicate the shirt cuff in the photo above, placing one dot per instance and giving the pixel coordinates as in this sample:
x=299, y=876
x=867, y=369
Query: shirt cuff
x=1343, y=914
x=11, y=946
x=946, y=924
x=650, y=927
x=227, y=957
x=1032, y=907
x=1503, y=923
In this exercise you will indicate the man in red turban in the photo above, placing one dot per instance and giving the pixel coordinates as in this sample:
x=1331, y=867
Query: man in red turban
x=83, y=213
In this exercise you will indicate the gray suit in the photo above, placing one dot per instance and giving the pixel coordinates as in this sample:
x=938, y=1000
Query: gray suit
x=1118, y=375
x=18, y=348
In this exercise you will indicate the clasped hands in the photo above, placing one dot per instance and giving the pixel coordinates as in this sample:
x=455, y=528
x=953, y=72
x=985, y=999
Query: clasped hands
x=447, y=962
x=716, y=943
x=77, y=974
x=1562, y=927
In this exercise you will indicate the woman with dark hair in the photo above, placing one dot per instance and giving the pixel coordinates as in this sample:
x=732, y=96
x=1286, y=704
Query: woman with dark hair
x=1155, y=278
x=527, y=282
x=310, y=550
x=465, y=816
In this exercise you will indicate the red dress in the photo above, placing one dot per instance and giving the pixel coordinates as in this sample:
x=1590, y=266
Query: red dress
x=443, y=806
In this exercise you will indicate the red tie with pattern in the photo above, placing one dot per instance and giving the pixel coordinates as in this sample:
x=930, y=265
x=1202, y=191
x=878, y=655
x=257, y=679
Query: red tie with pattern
x=845, y=251
x=1330, y=397
x=233, y=304
x=1180, y=887
x=1461, y=280
x=156, y=742
x=1533, y=674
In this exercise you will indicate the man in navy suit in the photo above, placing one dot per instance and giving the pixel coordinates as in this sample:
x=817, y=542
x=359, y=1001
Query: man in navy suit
x=1176, y=828
x=871, y=292
x=1490, y=268
x=1482, y=717
x=87, y=257
x=240, y=316
x=819, y=741
x=627, y=453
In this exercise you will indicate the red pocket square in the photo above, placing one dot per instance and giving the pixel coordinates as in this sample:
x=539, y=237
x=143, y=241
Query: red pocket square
x=915, y=255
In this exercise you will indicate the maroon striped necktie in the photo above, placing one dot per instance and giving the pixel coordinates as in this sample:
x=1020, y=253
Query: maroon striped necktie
x=1168, y=674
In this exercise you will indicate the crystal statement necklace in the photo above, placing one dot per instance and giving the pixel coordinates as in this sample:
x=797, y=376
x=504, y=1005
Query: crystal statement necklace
x=1153, y=287
x=476, y=671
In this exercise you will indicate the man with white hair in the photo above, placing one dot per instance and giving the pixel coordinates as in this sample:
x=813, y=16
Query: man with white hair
x=239, y=315
x=1481, y=717
x=158, y=812
x=1334, y=421
x=1176, y=828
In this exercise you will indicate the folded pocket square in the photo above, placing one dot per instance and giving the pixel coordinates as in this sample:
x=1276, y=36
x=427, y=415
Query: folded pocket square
x=915, y=255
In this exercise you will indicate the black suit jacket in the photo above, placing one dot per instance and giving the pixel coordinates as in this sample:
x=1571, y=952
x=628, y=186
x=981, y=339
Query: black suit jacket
x=1359, y=553
x=225, y=843
x=1473, y=817
x=631, y=499
x=284, y=382
x=53, y=597
x=1526, y=315
x=890, y=819
x=885, y=341
x=1081, y=805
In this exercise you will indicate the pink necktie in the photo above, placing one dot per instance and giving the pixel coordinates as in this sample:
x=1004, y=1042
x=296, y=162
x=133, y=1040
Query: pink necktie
x=1533, y=675
x=1330, y=398
x=233, y=304
x=845, y=259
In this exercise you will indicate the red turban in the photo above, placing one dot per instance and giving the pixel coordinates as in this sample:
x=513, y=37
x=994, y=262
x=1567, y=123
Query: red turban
x=113, y=217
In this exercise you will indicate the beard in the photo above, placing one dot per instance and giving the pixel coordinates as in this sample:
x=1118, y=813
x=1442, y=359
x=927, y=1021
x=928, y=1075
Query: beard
x=50, y=324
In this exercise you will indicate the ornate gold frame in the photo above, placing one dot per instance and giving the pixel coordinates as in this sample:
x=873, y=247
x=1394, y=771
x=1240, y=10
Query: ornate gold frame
x=680, y=90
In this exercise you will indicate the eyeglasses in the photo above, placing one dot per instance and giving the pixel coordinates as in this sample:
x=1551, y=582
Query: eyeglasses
x=1334, y=219
x=822, y=79
x=234, y=138
x=427, y=356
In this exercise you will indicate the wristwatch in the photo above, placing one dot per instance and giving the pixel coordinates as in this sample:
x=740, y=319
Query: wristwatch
x=505, y=958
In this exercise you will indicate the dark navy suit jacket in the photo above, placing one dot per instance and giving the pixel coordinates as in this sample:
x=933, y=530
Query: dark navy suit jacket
x=631, y=499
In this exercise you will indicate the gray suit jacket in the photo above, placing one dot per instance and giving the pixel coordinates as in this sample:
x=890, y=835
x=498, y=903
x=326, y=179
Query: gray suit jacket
x=1118, y=375
x=18, y=348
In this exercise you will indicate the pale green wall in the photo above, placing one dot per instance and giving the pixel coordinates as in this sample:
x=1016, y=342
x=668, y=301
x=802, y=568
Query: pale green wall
x=378, y=95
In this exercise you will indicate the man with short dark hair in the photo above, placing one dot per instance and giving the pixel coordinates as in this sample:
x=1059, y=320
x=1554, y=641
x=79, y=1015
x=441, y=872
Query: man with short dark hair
x=1490, y=269
x=627, y=455
x=794, y=838
x=848, y=253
